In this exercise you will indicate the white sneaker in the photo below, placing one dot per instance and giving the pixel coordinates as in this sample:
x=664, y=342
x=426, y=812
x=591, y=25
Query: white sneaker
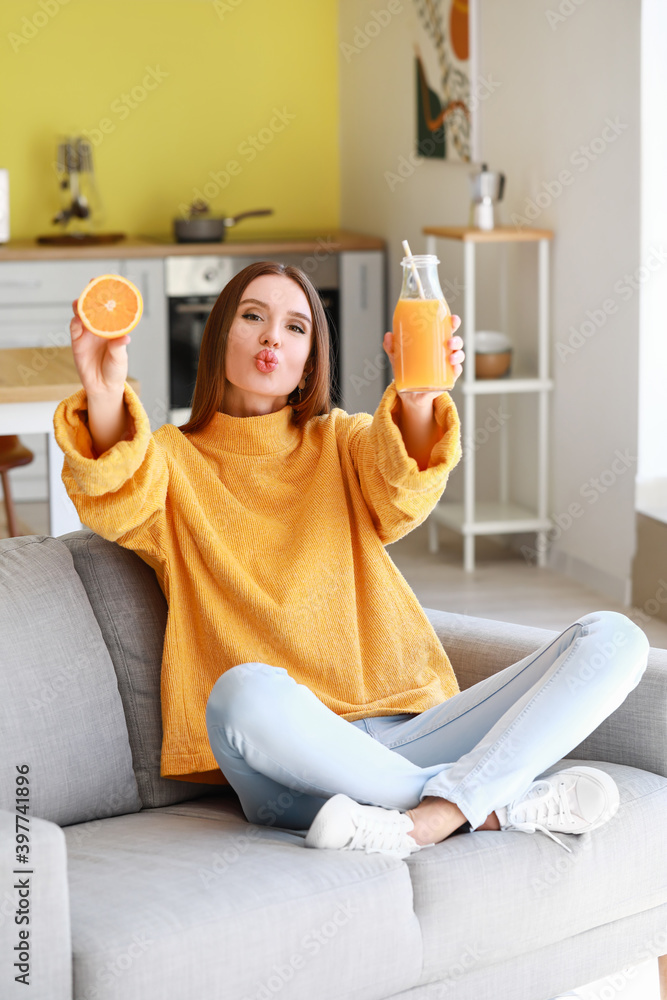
x=576, y=800
x=346, y=825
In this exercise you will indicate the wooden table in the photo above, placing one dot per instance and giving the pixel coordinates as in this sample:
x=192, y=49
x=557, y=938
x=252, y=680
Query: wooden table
x=33, y=381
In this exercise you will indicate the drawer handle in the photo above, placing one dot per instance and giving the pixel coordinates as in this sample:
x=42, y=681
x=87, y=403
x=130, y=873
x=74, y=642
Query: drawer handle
x=193, y=307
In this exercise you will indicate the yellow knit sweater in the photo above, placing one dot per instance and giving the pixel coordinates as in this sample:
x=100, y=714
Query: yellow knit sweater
x=268, y=543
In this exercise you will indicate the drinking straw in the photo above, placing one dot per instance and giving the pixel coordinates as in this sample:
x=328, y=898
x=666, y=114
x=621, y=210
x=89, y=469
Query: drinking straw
x=408, y=253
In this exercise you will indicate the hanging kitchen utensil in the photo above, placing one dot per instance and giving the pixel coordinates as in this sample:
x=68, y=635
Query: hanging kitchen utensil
x=79, y=198
x=80, y=214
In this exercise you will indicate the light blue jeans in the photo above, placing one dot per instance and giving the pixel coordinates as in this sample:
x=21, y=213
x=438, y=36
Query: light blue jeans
x=285, y=753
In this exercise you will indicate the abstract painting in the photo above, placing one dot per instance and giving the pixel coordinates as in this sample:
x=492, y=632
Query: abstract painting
x=442, y=66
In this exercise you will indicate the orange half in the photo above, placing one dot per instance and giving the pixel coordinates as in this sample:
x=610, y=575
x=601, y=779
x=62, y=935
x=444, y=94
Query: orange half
x=110, y=306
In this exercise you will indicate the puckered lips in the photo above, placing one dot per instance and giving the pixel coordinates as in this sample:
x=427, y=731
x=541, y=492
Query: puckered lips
x=266, y=360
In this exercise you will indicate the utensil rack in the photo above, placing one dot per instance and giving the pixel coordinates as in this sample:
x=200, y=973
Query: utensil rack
x=501, y=517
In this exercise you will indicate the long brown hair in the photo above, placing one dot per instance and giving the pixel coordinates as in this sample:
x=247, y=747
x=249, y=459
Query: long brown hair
x=209, y=392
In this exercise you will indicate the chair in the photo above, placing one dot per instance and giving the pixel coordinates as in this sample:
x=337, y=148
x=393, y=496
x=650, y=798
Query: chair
x=12, y=454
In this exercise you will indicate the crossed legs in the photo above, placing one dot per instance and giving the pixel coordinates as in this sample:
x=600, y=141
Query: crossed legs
x=285, y=753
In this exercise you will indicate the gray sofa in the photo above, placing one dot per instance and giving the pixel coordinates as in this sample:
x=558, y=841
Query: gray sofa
x=139, y=887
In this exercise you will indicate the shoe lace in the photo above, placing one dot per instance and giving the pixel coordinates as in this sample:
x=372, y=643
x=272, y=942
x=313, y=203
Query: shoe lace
x=543, y=803
x=384, y=834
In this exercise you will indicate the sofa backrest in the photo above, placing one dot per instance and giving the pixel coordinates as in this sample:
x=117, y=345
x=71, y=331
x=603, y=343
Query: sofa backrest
x=131, y=612
x=64, y=748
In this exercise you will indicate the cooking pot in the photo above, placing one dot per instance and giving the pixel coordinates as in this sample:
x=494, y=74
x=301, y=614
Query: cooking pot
x=210, y=229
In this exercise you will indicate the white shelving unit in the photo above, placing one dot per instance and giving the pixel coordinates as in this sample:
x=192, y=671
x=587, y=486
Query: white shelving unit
x=472, y=518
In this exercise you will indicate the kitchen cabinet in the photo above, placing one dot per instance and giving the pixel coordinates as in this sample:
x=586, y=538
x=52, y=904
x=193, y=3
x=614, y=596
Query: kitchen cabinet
x=35, y=311
x=148, y=350
x=38, y=285
x=363, y=322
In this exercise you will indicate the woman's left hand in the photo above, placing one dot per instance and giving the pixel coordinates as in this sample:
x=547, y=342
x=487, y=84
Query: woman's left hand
x=456, y=358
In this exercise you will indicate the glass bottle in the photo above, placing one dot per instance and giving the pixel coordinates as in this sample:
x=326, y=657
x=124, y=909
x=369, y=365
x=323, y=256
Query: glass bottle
x=422, y=327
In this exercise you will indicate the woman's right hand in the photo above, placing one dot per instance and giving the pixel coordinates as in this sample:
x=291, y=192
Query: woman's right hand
x=102, y=363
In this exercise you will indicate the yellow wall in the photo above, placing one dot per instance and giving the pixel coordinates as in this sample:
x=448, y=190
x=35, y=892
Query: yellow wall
x=229, y=65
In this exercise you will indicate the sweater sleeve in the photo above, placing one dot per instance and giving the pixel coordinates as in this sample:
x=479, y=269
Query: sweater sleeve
x=399, y=495
x=124, y=488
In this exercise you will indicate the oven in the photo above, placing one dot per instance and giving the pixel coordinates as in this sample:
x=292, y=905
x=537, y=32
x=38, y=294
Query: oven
x=193, y=284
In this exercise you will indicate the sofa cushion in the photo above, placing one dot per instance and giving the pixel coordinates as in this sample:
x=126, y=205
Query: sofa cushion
x=132, y=613
x=622, y=953
x=60, y=711
x=514, y=893
x=199, y=903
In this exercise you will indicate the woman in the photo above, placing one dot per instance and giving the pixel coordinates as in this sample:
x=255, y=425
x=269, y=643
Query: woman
x=298, y=665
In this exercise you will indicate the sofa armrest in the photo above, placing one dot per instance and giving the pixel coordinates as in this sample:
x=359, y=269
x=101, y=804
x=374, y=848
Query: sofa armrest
x=39, y=892
x=635, y=734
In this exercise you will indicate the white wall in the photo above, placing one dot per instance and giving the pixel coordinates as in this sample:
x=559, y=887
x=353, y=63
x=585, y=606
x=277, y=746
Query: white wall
x=652, y=471
x=555, y=86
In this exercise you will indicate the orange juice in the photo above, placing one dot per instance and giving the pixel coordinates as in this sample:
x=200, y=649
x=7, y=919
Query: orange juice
x=422, y=328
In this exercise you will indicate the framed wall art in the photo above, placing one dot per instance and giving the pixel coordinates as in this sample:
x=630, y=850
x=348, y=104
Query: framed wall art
x=445, y=68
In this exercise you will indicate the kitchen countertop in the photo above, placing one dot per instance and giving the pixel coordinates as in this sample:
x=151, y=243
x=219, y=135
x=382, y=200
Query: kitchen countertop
x=41, y=374
x=324, y=241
